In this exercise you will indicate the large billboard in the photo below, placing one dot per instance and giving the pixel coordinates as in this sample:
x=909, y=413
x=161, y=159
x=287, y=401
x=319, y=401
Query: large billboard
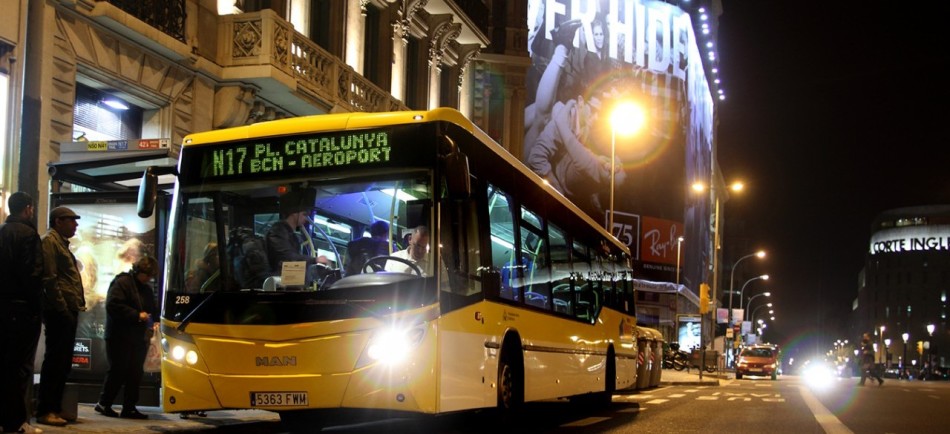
x=589, y=55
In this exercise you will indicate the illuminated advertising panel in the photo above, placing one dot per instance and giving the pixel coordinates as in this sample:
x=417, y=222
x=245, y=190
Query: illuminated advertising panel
x=658, y=242
x=109, y=239
x=588, y=56
x=688, y=331
x=911, y=239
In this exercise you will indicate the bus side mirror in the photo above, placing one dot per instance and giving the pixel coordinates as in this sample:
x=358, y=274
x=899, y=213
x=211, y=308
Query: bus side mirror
x=148, y=192
x=454, y=169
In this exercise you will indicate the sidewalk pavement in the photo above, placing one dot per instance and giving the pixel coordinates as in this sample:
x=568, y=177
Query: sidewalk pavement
x=671, y=377
x=89, y=421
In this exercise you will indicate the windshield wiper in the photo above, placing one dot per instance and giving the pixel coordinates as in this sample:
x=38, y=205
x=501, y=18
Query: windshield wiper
x=187, y=319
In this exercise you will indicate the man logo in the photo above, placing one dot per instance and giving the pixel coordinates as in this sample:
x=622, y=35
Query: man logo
x=276, y=361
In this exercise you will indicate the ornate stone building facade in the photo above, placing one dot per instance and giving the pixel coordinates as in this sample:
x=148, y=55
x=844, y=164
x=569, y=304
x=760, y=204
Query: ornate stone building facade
x=192, y=65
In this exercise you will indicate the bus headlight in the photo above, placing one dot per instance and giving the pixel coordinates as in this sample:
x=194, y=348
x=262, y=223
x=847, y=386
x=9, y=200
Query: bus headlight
x=393, y=346
x=180, y=353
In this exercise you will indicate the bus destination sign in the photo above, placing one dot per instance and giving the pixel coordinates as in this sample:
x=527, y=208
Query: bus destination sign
x=281, y=153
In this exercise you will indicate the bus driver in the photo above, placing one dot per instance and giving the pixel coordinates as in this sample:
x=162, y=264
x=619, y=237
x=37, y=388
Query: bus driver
x=416, y=252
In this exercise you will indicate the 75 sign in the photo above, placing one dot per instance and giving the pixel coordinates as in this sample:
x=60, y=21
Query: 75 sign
x=627, y=229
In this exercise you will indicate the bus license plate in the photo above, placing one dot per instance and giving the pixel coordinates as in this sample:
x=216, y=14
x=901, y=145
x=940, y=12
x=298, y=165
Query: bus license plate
x=279, y=399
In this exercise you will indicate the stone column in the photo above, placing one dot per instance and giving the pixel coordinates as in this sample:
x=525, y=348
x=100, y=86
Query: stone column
x=355, y=31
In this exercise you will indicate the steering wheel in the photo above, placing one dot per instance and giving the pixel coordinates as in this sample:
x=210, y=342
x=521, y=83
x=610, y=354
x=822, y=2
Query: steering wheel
x=378, y=263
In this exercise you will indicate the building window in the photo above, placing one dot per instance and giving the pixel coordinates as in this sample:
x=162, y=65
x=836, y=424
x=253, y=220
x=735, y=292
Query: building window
x=99, y=115
x=417, y=74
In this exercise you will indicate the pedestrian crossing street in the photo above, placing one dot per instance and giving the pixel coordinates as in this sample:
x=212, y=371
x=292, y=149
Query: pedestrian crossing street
x=764, y=392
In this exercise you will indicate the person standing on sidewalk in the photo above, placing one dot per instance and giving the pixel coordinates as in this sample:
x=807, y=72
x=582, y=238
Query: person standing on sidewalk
x=21, y=265
x=63, y=301
x=868, y=367
x=130, y=305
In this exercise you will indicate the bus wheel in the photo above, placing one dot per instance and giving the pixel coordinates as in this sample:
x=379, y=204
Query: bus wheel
x=510, y=380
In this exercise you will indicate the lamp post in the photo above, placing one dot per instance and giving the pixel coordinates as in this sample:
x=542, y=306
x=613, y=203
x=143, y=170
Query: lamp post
x=930, y=350
x=768, y=305
x=760, y=254
x=626, y=118
x=887, y=353
x=904, y=336
x=679, y=243
x=742, y=289
x=882, y=343
x=749, y=305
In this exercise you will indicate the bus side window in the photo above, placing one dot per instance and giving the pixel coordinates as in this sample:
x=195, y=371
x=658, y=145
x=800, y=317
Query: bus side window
x=534, y=272
x=502, y=228
x=580, y=263
x=561, y=279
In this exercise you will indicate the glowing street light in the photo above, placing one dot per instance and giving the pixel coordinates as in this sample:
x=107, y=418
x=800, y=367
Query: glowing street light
x=760, y=254
x=742, y=289
x=749, y=305
x=627, y=118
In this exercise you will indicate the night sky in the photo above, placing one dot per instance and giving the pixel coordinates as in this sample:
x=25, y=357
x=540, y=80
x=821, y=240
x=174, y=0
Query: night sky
x=835, y=112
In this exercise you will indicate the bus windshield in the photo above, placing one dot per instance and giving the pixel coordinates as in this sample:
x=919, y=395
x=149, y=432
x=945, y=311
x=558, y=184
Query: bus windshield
x=243, y=235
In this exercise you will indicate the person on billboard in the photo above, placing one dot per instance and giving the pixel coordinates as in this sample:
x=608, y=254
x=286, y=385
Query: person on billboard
x=597, y=61
x=538, y=113
x=560, y=156
x=131, y=308
x=21, y=265
x=64, y=299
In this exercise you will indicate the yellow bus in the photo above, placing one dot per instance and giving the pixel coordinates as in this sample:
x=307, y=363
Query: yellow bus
x=519, y=297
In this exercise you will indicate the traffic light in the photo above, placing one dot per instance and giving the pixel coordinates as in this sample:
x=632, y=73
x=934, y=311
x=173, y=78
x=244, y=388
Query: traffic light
x=703, y=298
x=920, y=347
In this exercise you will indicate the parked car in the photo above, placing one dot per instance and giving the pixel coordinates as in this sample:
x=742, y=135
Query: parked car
x=758, y=360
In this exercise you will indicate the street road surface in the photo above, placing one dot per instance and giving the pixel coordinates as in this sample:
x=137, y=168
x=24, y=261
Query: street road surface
x=758, y=406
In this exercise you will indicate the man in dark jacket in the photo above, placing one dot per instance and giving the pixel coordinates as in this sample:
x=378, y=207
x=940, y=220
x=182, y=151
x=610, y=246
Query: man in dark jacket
x=63, y=300
x=21, y=265
x=282, y=242
x=130, y=304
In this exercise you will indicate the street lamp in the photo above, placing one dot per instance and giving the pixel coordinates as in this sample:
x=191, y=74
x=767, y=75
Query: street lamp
x=760, y=254
x=627, y=118
x=769, y=305
x=904, y=336
x=742, y=289
x=887, y=346
x=679, y=243
x=699, y=187
x=882, y=342
x=930, y=351
x=749, y=305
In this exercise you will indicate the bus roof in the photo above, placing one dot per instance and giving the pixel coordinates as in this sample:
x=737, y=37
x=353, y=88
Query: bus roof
x=361, y=120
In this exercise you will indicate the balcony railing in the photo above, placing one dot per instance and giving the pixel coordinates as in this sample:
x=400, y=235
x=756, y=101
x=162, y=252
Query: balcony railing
x=165, y=15
x=264, y=39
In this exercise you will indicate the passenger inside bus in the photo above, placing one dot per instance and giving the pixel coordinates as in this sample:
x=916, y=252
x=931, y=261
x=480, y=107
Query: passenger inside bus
x=283, y=244
x=362, y=249
x=204, y=276
x=417, y=253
